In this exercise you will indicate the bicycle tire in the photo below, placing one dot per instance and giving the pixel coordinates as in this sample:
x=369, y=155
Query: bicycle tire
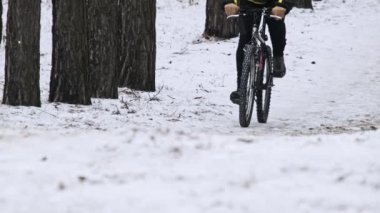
x=247, y=90
x=264, y=90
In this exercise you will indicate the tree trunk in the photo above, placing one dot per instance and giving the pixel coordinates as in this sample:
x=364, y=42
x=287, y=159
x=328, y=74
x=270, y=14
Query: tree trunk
x=139, y=44
x=103, y=47
x=216, y=22
x=22, y=53
x=69, y=76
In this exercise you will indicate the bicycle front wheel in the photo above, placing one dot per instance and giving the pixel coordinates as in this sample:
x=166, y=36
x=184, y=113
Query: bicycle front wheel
x=247, y=89
x=264, y=82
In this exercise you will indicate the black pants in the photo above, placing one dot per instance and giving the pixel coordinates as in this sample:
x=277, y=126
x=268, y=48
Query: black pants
x=277, y=31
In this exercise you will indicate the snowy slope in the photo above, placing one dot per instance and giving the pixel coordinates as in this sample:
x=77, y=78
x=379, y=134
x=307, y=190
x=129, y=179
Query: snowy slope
x=167, y=171
x=181, y=148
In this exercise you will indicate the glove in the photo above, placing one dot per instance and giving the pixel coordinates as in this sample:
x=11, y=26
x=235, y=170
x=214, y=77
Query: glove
x=279, y=11
x=231, y=9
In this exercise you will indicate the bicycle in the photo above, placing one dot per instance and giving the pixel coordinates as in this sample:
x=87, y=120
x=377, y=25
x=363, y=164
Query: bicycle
x=257, y=73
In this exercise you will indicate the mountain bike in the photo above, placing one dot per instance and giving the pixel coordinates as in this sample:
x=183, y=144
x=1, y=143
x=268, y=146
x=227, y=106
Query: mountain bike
x=257, y=73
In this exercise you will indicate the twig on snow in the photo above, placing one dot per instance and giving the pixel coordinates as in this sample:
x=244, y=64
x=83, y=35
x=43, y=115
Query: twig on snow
x=155, y=98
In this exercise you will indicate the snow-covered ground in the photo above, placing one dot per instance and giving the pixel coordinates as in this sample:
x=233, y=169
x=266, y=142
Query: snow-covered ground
x=181, y=149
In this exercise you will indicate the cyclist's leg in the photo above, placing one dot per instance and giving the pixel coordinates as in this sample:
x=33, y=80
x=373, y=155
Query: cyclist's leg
x=277, y=31
x=245, y=27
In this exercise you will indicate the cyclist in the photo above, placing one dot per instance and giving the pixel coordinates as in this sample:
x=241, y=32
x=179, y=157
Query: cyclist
x=277, y=33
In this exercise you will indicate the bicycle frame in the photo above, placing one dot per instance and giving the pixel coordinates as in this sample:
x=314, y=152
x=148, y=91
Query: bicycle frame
x=258, y=38
x=256, y=79
x=258, y=31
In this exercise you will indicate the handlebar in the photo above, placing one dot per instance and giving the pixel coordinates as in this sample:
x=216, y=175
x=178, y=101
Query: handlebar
x=244, y=14
x=233, y=16
x=276, y=17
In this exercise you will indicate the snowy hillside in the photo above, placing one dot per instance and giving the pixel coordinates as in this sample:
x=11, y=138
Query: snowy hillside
x=181, y=149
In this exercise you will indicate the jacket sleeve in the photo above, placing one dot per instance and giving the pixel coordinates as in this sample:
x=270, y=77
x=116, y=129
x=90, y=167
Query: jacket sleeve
x=229, y=2
x=285, y=4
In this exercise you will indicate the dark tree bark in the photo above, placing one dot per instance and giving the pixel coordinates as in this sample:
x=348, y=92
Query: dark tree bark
x=216, y=22
x=104, y=45
x=139, y=44
x=69, y=81
x=22, y=53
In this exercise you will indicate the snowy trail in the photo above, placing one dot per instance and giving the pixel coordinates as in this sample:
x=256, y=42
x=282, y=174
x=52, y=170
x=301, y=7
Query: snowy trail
x=181, y=148
x=339, y=93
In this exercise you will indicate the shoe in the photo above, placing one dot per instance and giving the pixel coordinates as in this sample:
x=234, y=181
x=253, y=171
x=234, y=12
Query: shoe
x=235, y=97
x=279, y=69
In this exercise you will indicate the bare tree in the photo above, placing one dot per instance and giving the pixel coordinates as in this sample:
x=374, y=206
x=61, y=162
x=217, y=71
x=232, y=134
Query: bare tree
x=104, y=45
x=69, y=76
x=216, y=22
x=139, y=44
x=22, y=53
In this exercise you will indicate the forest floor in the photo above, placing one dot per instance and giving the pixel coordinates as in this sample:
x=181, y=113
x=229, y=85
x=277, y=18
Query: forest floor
x=181, y=148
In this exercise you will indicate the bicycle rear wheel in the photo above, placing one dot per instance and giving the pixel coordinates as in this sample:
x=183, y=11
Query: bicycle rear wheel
x=247, y=89
x=264, y=82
